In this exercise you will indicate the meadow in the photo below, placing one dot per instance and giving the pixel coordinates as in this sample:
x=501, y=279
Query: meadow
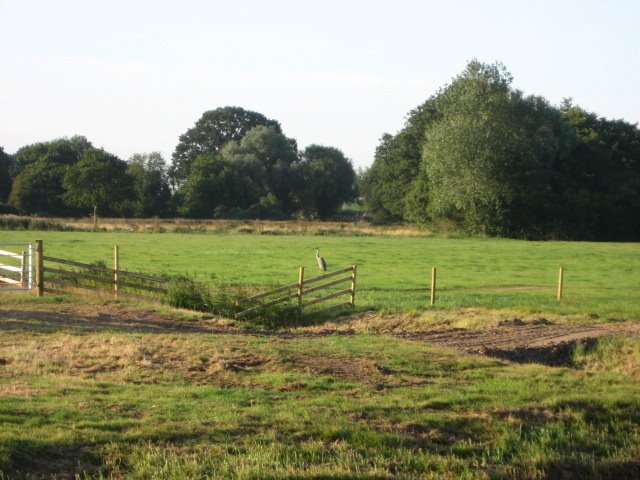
x=97, y=388
x=86, y=392
x=602, y=280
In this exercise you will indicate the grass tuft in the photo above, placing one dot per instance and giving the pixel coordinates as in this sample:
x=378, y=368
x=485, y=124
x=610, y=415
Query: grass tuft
x=610, y=354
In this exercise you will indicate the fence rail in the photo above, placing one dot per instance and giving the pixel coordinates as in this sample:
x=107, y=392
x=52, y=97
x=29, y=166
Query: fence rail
x=55, y=275
x=16, y=268
x=301, y=293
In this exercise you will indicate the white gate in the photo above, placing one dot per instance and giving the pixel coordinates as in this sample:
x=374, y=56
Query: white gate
x=16, y=266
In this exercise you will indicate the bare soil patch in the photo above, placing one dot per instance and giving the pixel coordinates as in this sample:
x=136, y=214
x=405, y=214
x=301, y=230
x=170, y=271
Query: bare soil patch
x=539, y=341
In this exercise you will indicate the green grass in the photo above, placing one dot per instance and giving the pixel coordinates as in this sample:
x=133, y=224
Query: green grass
x=123, y=403
x=601, y=279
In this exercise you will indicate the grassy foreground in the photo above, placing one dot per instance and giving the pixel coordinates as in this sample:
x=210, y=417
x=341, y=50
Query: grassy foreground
x=123, y=402
x=602, y=280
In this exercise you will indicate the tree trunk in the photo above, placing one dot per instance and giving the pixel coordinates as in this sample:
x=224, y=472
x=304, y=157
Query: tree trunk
x=95, y=217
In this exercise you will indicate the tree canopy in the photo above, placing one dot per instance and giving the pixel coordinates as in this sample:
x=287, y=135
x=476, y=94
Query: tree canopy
x=210, y=133
x=498, y=162
x=98, y=180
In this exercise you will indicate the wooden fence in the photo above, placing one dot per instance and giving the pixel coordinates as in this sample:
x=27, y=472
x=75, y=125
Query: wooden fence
x=300, y=291
x=57, y=275
x=559, y=290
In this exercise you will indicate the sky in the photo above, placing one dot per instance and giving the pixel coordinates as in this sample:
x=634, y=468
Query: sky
x=132, y=76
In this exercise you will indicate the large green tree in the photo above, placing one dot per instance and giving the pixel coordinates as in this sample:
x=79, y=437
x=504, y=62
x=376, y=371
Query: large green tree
x=599, y=182
x=99, y=180
x=327, y=181
x=210, y=133
x=390, y=179
x=152, y=194
x=251, y=177
x=40, y=168
x=488, y=160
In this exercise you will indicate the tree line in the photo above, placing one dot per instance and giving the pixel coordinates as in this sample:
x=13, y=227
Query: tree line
x=478, y=154
x=234, y=163
x=494, y=161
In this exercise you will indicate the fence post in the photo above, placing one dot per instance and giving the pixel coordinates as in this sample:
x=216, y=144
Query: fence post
x=299, y=292
x=23, y=268
x=433, y=286
x=116, y=267
x=39, y=269
x=560, y=282
x=352, y=300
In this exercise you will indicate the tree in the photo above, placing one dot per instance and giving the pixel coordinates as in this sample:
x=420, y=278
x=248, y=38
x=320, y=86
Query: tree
x=265, y=157
x=327, y=181
x=215, y=187
x=599, y=182
x=152, y=194
x=98, y=180
x=6, y=163
x=40, y=168
x=211, y=132
x=488, y=160
x=395, y=167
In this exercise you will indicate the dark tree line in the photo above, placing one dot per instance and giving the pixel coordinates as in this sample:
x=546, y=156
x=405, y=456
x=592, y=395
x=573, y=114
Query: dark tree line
x=485, y=156
x=233, y=163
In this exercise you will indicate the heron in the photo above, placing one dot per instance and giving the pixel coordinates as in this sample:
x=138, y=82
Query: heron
x=322, y=265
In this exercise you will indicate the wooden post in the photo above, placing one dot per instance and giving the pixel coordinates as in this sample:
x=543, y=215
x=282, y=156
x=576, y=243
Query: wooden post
x=116, y=268
x=23, y=268
x=299, y=292
x=560, y=282
x=352, y=300
x=433, y=286
x=39, y=269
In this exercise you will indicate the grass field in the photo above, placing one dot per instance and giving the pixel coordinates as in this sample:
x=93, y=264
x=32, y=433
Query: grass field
x=100, y=389
x=102, y=398
x=602, y=280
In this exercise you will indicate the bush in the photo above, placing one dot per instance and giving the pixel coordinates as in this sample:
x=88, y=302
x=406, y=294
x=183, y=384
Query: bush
x=186, y=292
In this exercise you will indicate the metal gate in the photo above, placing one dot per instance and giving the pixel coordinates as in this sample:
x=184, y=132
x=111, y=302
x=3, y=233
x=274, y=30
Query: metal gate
x=16, y=266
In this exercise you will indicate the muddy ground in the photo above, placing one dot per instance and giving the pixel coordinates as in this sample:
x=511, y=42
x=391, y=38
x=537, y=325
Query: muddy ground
x=524, y=341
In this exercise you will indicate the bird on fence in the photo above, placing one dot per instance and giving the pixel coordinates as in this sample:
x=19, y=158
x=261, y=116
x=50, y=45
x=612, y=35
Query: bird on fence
x=322, y=265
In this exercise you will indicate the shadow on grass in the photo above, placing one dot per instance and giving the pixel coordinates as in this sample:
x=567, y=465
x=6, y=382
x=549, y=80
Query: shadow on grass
x=129, y=321
x=31, y=458
x=605, y=470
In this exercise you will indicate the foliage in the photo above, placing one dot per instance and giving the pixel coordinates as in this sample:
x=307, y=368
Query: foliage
x=150, y=185
x=14, y=222
x=6, y=164
x=185, y=291
x=326, y=180
x=40, y=169
x=252, y=178
x=211, y=132
x=395, y=167
x=488, y=161
x=483, y=155
x=599, y=182
x=97, y=180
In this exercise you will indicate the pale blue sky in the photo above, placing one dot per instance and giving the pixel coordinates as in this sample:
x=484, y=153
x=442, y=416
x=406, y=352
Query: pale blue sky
x=134, y=75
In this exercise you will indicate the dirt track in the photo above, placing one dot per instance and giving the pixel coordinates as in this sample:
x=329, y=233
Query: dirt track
x=538, y=341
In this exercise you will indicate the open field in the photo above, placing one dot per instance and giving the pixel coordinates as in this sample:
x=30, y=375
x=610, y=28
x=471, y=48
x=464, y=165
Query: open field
x=602, y=280
x=499, y=380
x=112, y=391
